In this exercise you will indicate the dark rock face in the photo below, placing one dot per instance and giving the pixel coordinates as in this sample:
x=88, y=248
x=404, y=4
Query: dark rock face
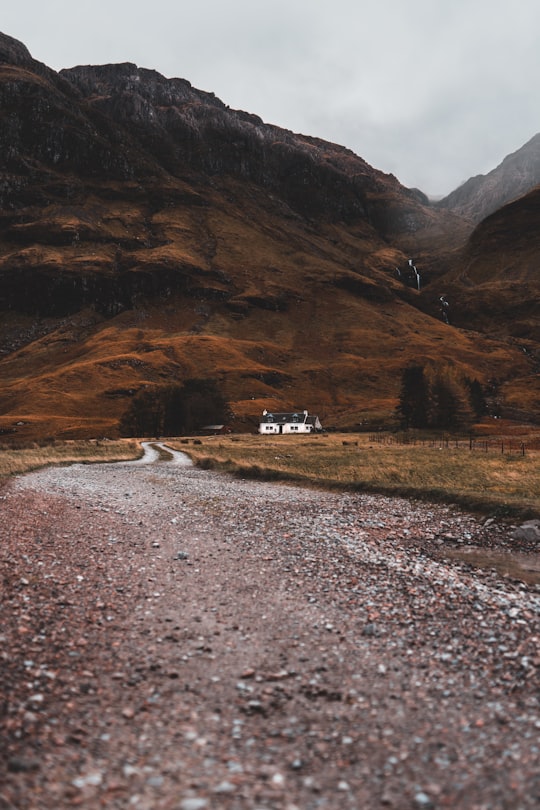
x=54, y=292
x=480, y=196
x=188, y=130
x=13, y=52
x=129, y=134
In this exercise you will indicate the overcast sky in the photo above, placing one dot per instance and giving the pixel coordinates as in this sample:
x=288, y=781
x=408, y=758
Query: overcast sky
x=434, y=91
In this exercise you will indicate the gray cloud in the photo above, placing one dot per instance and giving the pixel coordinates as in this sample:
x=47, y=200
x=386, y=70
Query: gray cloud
x=433, y=92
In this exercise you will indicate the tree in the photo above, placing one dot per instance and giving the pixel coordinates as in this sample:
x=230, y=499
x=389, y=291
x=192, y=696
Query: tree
x=413, y=398
x=145, y=415
x=435, y=396
x=443, y=404
x=476, y=397
x=198, y=403
x=175, y=409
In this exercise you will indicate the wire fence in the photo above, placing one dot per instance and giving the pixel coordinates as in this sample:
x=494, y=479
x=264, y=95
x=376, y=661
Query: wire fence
x=471, y=443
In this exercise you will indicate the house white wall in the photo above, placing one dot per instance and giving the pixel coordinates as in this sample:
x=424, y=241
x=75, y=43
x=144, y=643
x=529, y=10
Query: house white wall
x=290, y=423
x=296, y=427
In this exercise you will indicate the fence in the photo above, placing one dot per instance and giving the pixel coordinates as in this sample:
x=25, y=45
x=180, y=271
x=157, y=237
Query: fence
x=492, y=445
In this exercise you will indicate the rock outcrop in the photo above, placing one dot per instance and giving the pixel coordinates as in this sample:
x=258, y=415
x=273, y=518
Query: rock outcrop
x=188, y=130
x=13, y=52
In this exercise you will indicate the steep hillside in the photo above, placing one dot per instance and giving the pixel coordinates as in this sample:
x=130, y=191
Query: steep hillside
x=480, y=196
x=149, y=234
x=494, y=288
x=495, y=280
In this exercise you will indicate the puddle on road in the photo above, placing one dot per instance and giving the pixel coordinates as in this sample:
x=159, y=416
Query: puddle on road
x=514, y=564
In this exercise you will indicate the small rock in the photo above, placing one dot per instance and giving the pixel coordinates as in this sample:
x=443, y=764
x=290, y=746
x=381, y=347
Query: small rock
x=193, y=804
x=421, y=799
x=94, y=779
x=369, y=630
x=22, y=765
x=225, y=787
x=528, y=531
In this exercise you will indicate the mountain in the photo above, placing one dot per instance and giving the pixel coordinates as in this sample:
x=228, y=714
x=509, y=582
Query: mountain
x=151, y=235
x=494, y=286
x=480, y=196
x=495, y=279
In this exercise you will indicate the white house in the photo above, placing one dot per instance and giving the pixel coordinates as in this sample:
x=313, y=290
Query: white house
x=300, y=422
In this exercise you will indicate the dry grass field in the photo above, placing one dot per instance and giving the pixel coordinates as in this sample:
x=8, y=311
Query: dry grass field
x=484, y=478
x=15, y=461
x=500, y=474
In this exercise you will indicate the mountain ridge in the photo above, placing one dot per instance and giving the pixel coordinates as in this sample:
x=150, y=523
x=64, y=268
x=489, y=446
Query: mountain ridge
x=149, y=234
x=482, y=195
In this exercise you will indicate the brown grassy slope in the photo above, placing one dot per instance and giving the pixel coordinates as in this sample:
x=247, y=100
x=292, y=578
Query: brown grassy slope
x=495, y=278
x=285, y=314
x=494, y=287
x=134, y=253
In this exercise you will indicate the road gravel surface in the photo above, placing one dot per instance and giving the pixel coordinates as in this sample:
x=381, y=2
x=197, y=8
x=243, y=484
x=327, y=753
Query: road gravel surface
x=178, y=639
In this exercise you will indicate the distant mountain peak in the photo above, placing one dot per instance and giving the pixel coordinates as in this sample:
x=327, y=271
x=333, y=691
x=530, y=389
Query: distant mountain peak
x=483, y=194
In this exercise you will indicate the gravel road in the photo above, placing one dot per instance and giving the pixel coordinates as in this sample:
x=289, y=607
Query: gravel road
x=177, y=639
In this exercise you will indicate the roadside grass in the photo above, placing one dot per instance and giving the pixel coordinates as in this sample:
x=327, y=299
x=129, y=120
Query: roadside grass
x=18, y=460
x=505, y=484
x=163, y=455
x=492, y=482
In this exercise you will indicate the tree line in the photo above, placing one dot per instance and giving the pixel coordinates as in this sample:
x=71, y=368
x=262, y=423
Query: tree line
x=174, y=410
x=439, y=397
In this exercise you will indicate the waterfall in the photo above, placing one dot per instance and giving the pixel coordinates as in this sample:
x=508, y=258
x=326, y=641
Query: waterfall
x=416, y=273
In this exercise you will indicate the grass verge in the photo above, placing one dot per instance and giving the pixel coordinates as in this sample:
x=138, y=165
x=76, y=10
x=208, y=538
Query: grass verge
x=15, y=461
x=506, y=484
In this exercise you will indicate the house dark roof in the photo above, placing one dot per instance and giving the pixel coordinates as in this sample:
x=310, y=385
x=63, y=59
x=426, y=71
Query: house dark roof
x=277, y=418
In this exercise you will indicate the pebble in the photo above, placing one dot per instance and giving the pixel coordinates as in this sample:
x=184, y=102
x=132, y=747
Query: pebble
x=225, y=787
x=193, y=804
x=423, y=800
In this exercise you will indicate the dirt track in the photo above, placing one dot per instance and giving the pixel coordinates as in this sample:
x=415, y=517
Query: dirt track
x=175, y=639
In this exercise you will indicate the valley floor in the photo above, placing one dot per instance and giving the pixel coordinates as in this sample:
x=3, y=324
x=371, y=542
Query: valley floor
x=175, y=639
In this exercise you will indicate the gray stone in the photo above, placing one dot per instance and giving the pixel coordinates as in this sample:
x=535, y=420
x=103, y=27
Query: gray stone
x=193, y=804
x=528, y=531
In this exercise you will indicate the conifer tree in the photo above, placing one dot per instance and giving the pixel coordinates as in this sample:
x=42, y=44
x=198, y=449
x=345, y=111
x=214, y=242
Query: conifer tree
x=413, y=398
